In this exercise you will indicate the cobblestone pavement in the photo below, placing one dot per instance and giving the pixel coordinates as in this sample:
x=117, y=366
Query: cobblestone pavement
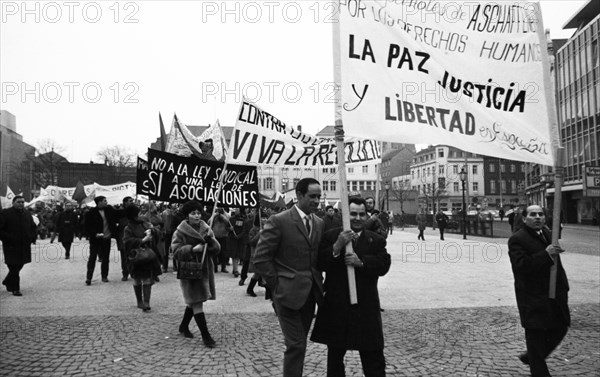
x=432, y=342
x=449, y=311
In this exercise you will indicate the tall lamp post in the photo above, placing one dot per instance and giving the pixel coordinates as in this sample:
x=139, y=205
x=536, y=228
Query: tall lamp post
x=387, y=195
x=463, y=178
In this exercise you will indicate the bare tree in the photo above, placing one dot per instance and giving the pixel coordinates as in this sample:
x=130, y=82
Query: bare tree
x=402, y=192
x=117, y=156
x=46, y=162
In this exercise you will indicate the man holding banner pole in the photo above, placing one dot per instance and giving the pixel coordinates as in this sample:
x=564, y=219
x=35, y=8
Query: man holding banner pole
x=286, y=257
x=545, y=318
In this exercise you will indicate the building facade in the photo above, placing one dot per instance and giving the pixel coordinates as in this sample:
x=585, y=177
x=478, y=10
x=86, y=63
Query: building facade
x=15, y=158
x=435, y=177
x=578, y=105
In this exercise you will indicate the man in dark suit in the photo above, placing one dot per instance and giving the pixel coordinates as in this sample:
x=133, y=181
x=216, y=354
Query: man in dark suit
x=286, y=258
x=101, y=226
x=342, y=326
x=545, y=320
x=17, y=232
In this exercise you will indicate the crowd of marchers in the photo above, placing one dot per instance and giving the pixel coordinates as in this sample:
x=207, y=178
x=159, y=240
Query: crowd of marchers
x=286, y=251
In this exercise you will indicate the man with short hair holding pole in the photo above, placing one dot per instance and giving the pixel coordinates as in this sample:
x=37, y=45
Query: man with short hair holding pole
x=545, y=318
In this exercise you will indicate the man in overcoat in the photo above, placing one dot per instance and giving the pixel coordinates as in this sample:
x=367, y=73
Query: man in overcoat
x=101, y=226
x=544, y=319
x=17, y=232
x=342, y=326
x=286, y=258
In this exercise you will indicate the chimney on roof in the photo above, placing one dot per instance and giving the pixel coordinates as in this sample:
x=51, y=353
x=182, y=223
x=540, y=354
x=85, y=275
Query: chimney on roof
x=299, y=127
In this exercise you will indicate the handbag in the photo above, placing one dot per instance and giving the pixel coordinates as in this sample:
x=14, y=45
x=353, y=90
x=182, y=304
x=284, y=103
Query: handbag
x=190, y=270
x=143, y=256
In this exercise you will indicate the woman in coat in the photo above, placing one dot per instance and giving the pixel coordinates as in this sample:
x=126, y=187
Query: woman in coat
x=139, y=233
x=192, y=238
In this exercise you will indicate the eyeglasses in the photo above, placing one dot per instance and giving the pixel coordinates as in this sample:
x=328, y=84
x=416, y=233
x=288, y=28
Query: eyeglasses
x=359, y=214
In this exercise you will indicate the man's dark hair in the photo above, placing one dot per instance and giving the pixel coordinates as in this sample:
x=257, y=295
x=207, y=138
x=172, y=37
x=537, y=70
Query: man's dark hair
x=98, y=199
x=328, y=207
x=126, y=199
x=358, y=201
x=370, y=197
x=302, y=185
x=18, y=197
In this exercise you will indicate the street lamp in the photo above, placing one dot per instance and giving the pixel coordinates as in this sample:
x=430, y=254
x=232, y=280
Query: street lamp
x=463, y=178
x=387, y=194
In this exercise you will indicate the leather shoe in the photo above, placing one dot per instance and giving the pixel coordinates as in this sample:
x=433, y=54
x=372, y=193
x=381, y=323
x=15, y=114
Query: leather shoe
x=17, y=293
x=124, y=278
x=105, y=280
x=88, y=282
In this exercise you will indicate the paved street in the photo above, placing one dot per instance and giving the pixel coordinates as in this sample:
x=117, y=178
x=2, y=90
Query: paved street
x=449, y=311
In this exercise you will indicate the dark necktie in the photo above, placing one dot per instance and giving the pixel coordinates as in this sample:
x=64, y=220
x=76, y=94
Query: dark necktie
x=307, y=223
x=541, y=234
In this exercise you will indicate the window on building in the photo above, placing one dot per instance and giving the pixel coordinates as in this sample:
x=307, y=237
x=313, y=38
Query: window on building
x=412, y=173
x=325, y=185
x=268, y=183
x=354, y=185
x=440, y=152
x=325, y=170
x=350, y=170
x=475, y=186
x=361, y=185
x=332, y=170
x=455, y=187
x=513, y=168
x=474, y=169
x=492, y=168
x=492, y=186
x=365, y=169
x=441, y=169
x=503, y=186
x=455, y=169
x=513, y=186
x=503, y=168
x=332, y=185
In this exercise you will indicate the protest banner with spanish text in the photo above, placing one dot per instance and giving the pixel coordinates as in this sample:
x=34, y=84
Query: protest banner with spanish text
x=465, y=74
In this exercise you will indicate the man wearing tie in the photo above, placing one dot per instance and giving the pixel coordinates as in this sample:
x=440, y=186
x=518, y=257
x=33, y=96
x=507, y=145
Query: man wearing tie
x=544, y=319
x=286, y=257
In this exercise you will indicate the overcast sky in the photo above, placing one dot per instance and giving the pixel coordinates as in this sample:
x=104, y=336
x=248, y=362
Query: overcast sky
x=95, y=74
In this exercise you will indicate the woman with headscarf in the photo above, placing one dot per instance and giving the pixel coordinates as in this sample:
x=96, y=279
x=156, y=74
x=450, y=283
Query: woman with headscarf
x=139, y=234
x=191, y=240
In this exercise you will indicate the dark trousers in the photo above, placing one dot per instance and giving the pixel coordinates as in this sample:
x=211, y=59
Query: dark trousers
x=12, y=279
x=124, y=268
x=294, y=326
x=421, y=236
x=168, y=239
x=442, y=233
x=540, y=343
x=99, y=249
x=67, y=246
x=373, y=362
x=245, y=268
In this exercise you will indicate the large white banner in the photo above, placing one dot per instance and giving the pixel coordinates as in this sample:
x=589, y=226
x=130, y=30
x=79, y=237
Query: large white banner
x=465, y=74
x=259, y=138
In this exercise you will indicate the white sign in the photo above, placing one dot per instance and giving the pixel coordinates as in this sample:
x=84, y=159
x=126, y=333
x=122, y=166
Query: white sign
x=260, y=138
x=465, y=74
